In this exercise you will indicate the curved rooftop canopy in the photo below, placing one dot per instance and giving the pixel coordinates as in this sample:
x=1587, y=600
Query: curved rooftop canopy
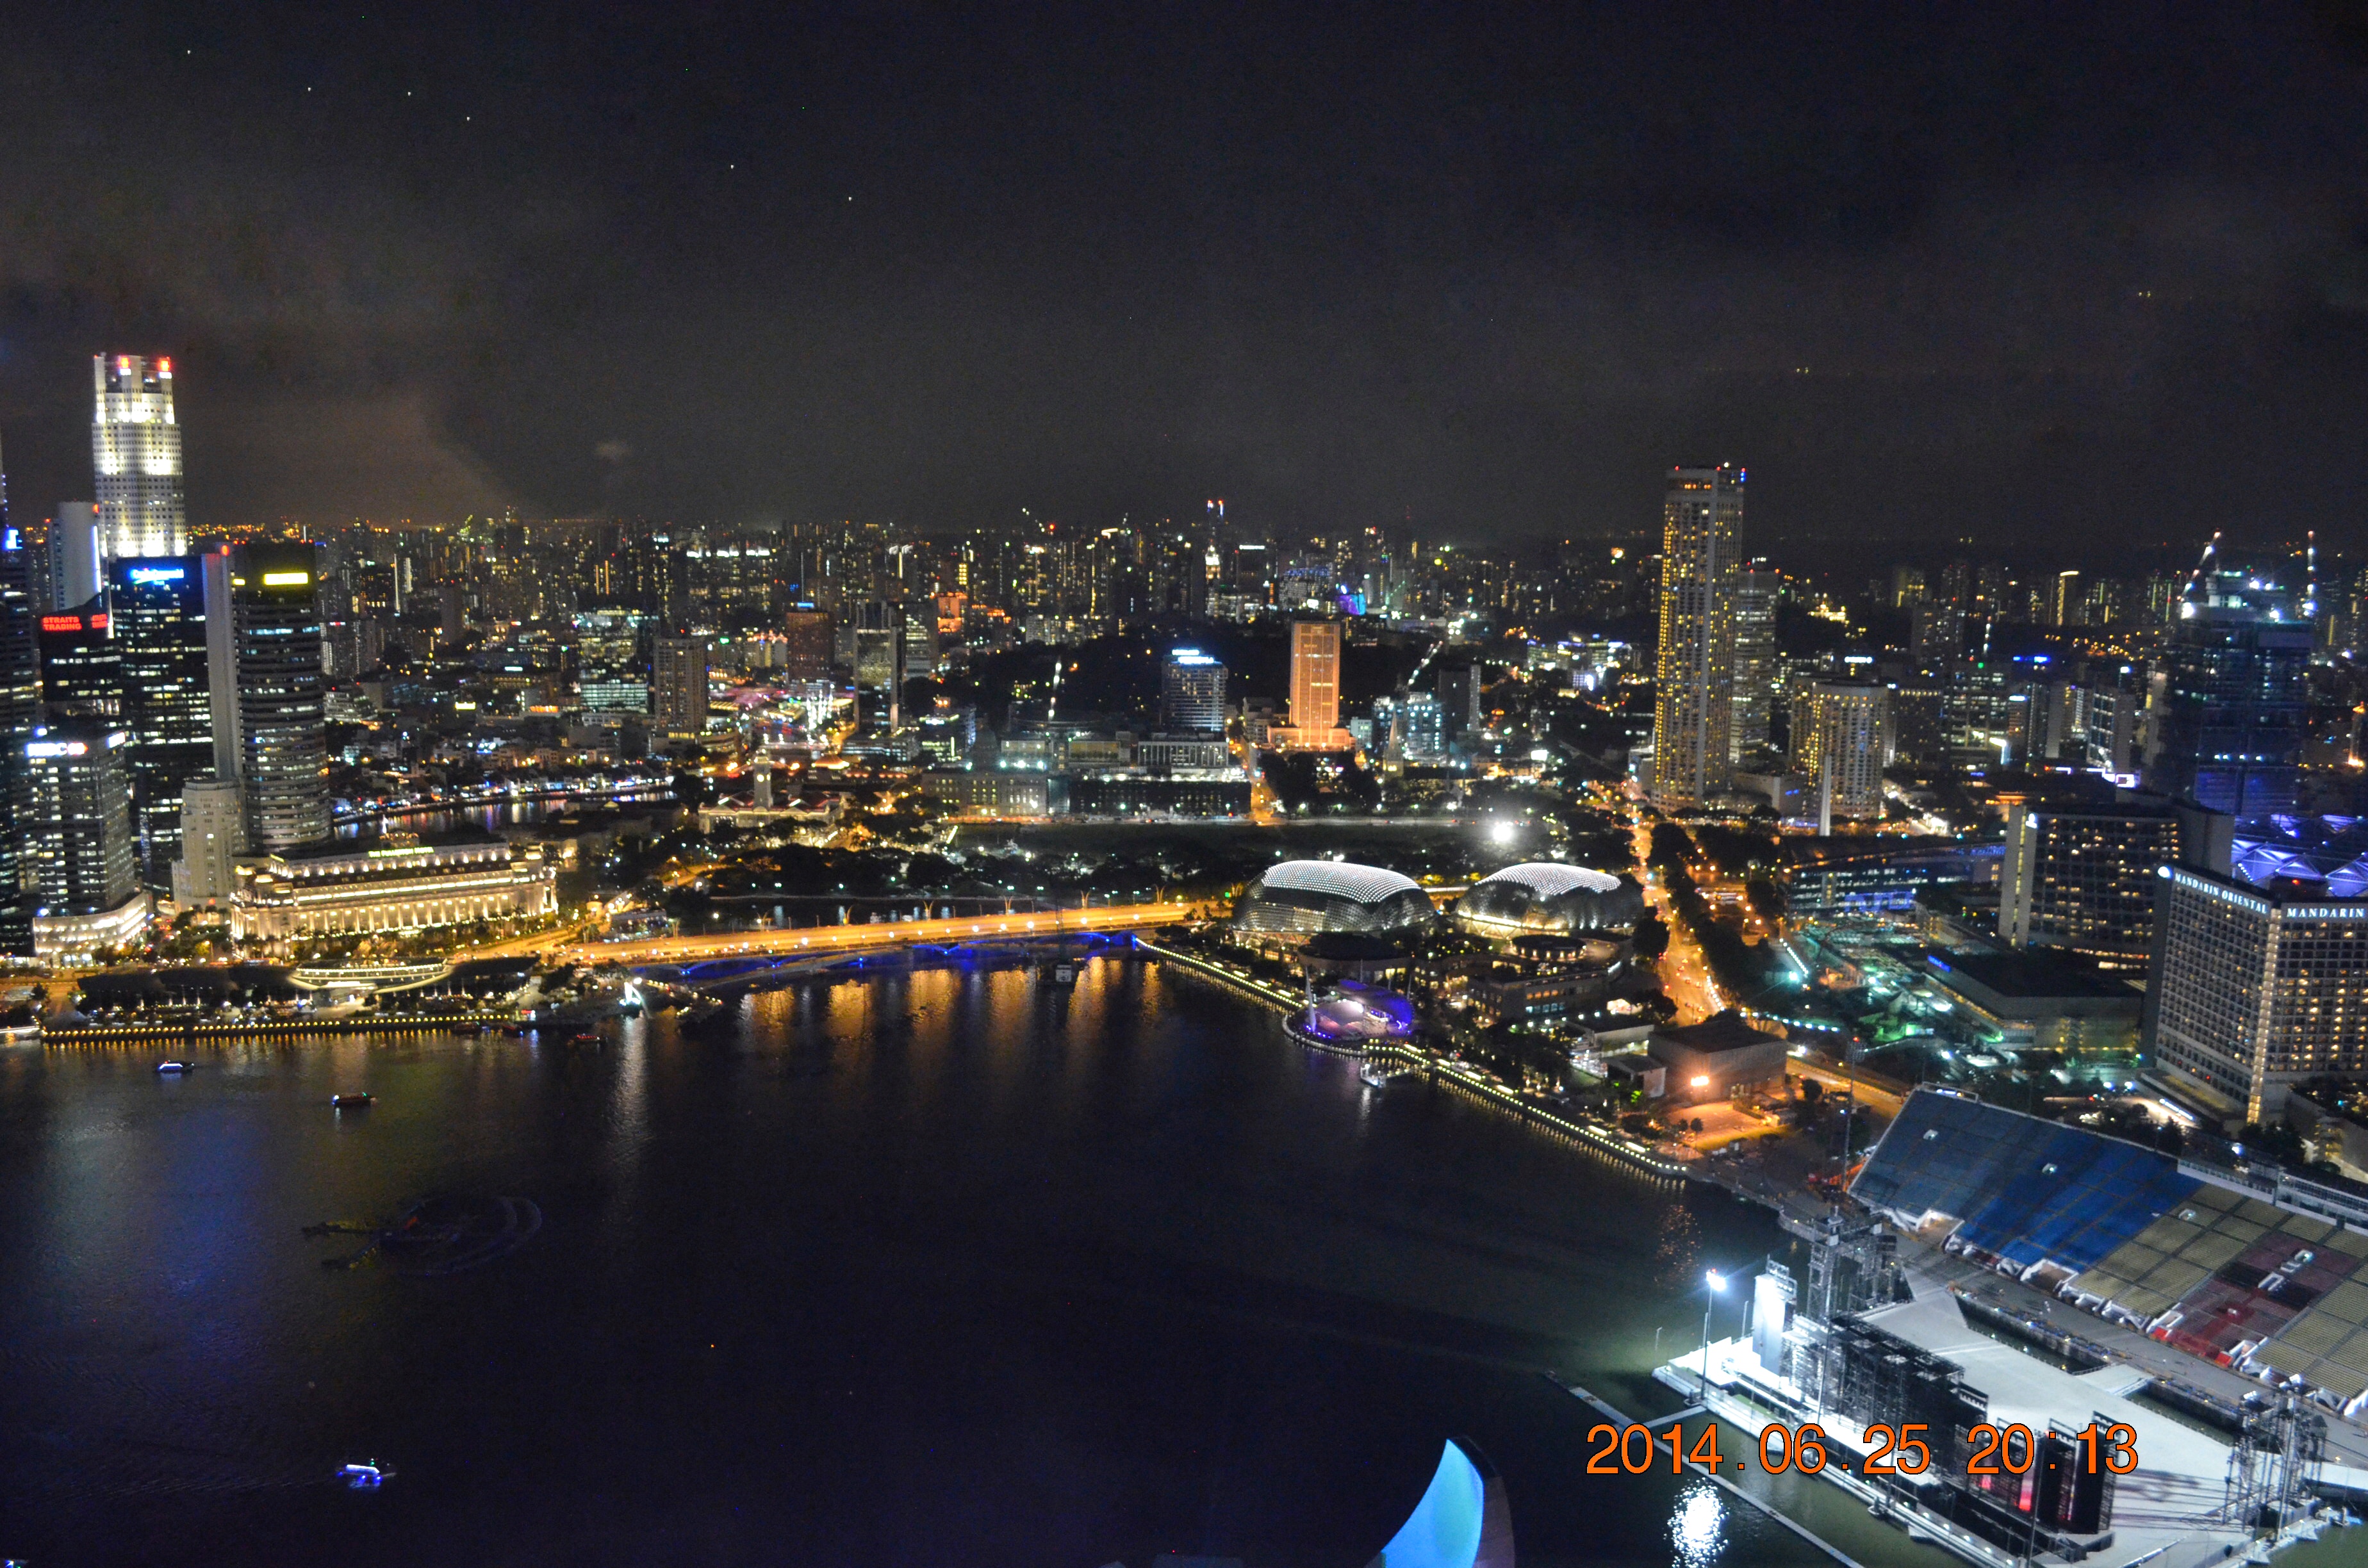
x=1548, y=898
x=1311, y=896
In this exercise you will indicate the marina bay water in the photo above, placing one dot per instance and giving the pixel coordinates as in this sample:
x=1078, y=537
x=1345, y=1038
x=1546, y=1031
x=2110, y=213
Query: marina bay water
x=927, y=1268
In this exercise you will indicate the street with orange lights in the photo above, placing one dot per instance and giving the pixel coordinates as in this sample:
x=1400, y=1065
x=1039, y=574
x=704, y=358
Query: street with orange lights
x=791, y=941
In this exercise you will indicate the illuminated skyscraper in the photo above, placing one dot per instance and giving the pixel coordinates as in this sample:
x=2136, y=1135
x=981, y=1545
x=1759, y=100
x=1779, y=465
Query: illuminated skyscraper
x=678, y=686
x=2231, y=713
x=610, y=677
x=79, y=838
x=135, y=448
x=82, y=669
x=1692, y=718
x=1841, y=742
x=263, y=668
x=1192, y=692
x=20, y=714
x=159, y=610
x=879, y=649
x=1314, y=680
x=1756, y=587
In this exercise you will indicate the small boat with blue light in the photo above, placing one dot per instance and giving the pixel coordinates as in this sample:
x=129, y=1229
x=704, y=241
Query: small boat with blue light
x=367, y=1477
x=173, y=1069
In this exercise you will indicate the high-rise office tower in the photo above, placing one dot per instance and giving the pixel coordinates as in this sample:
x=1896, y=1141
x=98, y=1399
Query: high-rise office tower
x=1936, y=634
x=1192, y=692
x=678, y=686
x=70, y=569
x=20, y=715
x=79, y=835
x=1459, y=700
x=920, y=643
x=806, y=644
x=262, y=669
x=1756, y=587
x=1315, y=679
x=1841, y=743
x=610, y=677
x=1421, y=728
x=2233, y=708
x=879, y=648
x=158, y=607
x=81, y=671
x=1693, y=711
x=135, y=446
x=213, y=837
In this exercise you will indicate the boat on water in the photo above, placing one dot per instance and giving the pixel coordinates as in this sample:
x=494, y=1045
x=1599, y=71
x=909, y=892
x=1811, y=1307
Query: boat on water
x=364, y=1477
x=584, y=1036
x=170, y=1068
x=352, y=1102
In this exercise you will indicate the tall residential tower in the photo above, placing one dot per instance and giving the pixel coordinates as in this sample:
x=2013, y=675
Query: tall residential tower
x=1693, y=717
x=1757, y=587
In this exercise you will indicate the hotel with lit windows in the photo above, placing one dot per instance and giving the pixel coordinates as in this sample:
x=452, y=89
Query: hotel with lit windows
x=2261, y=978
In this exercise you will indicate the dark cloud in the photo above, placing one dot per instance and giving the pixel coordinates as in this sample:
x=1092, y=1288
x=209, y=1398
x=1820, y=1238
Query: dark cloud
x=2020, y=274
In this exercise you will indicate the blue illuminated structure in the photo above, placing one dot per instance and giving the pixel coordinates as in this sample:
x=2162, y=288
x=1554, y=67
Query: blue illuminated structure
x=1358, y=1013
x=1462, y=1520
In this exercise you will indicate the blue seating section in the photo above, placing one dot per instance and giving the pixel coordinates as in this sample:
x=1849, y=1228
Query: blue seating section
x=2027, y=1190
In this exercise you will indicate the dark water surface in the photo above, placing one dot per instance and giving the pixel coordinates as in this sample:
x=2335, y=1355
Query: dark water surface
x=940, y=1268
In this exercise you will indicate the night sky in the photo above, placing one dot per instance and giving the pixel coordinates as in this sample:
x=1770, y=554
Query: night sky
x=2055, y=278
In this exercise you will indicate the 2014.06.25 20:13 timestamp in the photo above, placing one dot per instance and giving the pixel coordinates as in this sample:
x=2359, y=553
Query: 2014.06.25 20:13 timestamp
x=1901, y=1450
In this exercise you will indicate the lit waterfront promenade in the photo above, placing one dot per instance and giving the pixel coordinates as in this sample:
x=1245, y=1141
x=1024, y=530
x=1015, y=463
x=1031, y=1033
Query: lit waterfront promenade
x=798, y=939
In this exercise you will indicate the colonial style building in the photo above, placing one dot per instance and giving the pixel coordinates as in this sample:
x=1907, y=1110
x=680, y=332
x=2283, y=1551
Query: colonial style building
x=389, y=885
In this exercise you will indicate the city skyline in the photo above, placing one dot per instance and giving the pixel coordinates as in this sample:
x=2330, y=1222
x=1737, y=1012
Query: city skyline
x=1024, y=785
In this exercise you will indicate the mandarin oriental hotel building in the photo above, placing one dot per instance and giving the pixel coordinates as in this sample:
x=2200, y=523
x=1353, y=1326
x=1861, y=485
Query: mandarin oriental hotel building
x=389, y=885
x=2256, y=989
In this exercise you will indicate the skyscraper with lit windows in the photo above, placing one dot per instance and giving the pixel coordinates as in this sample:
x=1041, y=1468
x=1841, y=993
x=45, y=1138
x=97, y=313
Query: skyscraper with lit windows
x=1192, y=692
x=1693, y=706
x=159, y=612
x=20, y=715
x=135, y=449
x=263, y=661
x=2232, y=711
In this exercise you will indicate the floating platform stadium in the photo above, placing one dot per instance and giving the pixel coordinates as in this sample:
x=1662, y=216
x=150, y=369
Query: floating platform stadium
x=2184, y=1252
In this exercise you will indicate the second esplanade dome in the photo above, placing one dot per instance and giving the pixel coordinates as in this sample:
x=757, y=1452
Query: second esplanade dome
x=1546, y=898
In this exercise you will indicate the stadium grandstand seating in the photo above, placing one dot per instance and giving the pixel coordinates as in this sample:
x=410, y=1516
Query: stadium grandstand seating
x=2037, y=1196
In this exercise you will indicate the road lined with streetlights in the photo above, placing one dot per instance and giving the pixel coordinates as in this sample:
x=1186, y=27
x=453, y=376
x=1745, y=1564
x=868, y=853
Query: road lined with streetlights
x=796, y=941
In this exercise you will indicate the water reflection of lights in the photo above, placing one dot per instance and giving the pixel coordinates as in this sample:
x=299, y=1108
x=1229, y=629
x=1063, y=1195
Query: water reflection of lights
x=1698, y=1526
